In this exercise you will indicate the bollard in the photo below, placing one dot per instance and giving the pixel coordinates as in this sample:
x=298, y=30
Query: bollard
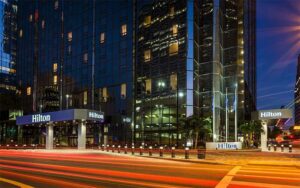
x=282, y=148
x=113, y=148
x=161, y=154
x=150, y=151
x=132, y=150
x=186, y=153
x=125, y=149
x=102, y=147
x=173, y=152
x=290, y=148
x=119, y=147
x=201, y=154
x=107, y=149
x=275, y=147
x=141, y=150
x=269, y=147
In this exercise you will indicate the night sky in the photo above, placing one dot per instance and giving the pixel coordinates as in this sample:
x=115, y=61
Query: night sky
x=278, y=46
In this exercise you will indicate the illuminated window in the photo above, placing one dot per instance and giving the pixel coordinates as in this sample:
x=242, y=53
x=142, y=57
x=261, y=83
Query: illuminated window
x=102, y=37
x=85, y=96
x=70, y=36
x=147, y=21
x=123, y=91
x=28, y=91
x=147, y=55
x=43, y=24
x=21, y=33
x=173, y=48
x=55, y=67
x=148, y=84
x=85, y=58
x=175, y=29
x=124, y=30
x=56, y=5
x=30, y=18
x=173, y=81
x=103, y=94
x=172, y=11
x=54, y=79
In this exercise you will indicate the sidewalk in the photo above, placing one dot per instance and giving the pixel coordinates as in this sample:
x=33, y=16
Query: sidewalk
x=250, y=157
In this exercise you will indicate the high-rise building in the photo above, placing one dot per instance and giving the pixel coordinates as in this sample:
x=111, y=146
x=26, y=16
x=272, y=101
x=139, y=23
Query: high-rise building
x=194, y=58
x=8, y=91
x=77, y=54
x=297, y=94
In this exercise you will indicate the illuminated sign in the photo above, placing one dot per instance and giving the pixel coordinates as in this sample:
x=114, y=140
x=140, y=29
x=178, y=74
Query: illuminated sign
x=272, y=114
x=40, y=118
x=95, y=115
x=224, y=145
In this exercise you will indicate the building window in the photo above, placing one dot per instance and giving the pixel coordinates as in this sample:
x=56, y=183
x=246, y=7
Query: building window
x=30, y=18
x=147, y=55
x=56, y=5
x=173, y=48
x=124, y=30
x=70, y=36
x=123, y=91
x=175, y=30
x=28, y=91
x=55, y=67
x=172, y=11
x=148, y=84
x=43, y=24
x=103, y=94
x=85, y=58
x=21, y=33
x=55, y=79
x=102, y=37
x=173, y=82
x=85, y=96
x=147, y=21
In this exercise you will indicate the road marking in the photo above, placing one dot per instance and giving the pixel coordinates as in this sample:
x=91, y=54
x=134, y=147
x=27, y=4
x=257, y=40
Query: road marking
x=268, y=177
x=18, y=184
x=228, y=178
x=266, y=185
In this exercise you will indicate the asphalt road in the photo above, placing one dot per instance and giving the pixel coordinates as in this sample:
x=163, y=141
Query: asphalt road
x=38, y=169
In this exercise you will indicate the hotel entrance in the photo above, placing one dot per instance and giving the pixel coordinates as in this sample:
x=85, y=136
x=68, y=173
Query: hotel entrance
x=68, y=128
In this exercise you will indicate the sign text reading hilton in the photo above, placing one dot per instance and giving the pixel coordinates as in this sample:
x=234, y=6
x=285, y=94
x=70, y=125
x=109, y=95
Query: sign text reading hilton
x=40, y=118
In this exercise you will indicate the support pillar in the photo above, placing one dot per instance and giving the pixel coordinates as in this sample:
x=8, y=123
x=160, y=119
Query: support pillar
x=49, y=136
x=264, y=136
x=81, y=135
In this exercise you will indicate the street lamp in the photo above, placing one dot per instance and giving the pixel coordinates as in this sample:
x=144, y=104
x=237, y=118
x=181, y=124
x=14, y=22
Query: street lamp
x=67, y=101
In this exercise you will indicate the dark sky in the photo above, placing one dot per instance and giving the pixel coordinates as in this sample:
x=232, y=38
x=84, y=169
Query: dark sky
x=278, y=46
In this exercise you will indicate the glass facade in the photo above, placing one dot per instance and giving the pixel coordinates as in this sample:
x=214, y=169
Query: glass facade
x=77, y=54
x=164, y=70
x=8, y=29
x=210, y=46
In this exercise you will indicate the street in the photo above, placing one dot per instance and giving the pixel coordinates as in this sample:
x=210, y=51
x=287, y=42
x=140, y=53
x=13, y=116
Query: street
x=74, y=169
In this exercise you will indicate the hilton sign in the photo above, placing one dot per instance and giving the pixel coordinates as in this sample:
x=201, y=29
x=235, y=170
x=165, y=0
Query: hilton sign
x=40, y=118
x=272, y=114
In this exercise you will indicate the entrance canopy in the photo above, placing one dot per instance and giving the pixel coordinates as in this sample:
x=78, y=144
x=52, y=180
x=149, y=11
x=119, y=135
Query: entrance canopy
x=272, y=114
x=64, y=115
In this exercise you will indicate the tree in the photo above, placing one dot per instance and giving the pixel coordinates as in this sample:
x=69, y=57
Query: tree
x=251, y=130
x=195, y=126
x=276, y=131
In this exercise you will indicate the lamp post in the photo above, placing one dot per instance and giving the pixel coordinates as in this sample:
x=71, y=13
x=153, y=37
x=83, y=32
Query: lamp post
x=235, y=112
x=67, y=101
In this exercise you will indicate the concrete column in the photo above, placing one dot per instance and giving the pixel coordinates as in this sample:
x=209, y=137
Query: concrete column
x=81, y=135
x=264, y=136
x=49, y=136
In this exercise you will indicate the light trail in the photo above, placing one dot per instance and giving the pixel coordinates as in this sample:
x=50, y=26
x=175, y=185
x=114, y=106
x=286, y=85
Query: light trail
x=119, y=174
